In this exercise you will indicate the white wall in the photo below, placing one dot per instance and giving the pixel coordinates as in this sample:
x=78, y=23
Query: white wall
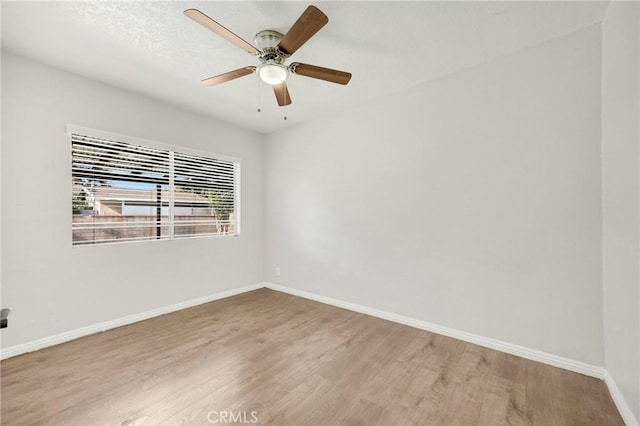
x=472, y=202
x=55, y=288
x=621, y=214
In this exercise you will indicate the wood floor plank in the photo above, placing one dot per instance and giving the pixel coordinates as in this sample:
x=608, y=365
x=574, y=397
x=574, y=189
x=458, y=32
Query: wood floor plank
x=287, y=360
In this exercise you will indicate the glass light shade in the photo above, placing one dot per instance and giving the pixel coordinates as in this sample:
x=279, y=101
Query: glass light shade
x=273, y=73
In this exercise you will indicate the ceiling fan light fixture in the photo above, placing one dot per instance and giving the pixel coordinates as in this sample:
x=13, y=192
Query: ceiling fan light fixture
x=272, y=73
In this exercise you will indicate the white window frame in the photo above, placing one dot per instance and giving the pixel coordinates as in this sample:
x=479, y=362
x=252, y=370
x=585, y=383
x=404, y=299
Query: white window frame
x=102, y=134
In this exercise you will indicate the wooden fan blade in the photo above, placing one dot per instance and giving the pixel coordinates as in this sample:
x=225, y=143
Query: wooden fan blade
x=212, y=25
x=228, y=76
x=282, y=94
x=311, y=20
x=321, y=73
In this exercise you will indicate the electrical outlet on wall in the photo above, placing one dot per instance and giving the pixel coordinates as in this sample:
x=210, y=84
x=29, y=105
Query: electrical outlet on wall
x=277, y=271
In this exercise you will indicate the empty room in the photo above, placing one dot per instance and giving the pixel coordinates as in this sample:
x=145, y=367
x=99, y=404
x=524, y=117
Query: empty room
x=285, y=213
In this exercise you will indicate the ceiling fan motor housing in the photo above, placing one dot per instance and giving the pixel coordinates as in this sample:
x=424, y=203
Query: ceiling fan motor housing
x=272, y=70
x=267, y=42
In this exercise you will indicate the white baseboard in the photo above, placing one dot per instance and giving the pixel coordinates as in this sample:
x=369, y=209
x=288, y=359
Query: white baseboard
x=521, y=351
x=620, y=401
x=107, y=325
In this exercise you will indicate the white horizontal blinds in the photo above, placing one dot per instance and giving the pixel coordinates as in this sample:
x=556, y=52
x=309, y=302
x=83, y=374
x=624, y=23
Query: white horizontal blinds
x=121, y=191
x=204, y=196
x=130, y=192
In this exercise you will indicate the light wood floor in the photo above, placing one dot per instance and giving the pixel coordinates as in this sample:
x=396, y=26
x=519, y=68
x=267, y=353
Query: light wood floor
x=289, y=361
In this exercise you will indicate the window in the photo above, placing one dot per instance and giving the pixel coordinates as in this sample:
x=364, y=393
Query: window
x=125, y=191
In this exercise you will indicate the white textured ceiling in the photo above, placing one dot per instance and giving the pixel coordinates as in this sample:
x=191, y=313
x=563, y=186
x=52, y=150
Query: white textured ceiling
x=150, y=47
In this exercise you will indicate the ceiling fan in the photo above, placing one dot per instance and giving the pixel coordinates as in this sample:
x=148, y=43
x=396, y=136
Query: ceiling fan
x=273, y=50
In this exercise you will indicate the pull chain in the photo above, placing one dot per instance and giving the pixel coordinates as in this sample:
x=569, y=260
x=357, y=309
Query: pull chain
x=259, y=109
